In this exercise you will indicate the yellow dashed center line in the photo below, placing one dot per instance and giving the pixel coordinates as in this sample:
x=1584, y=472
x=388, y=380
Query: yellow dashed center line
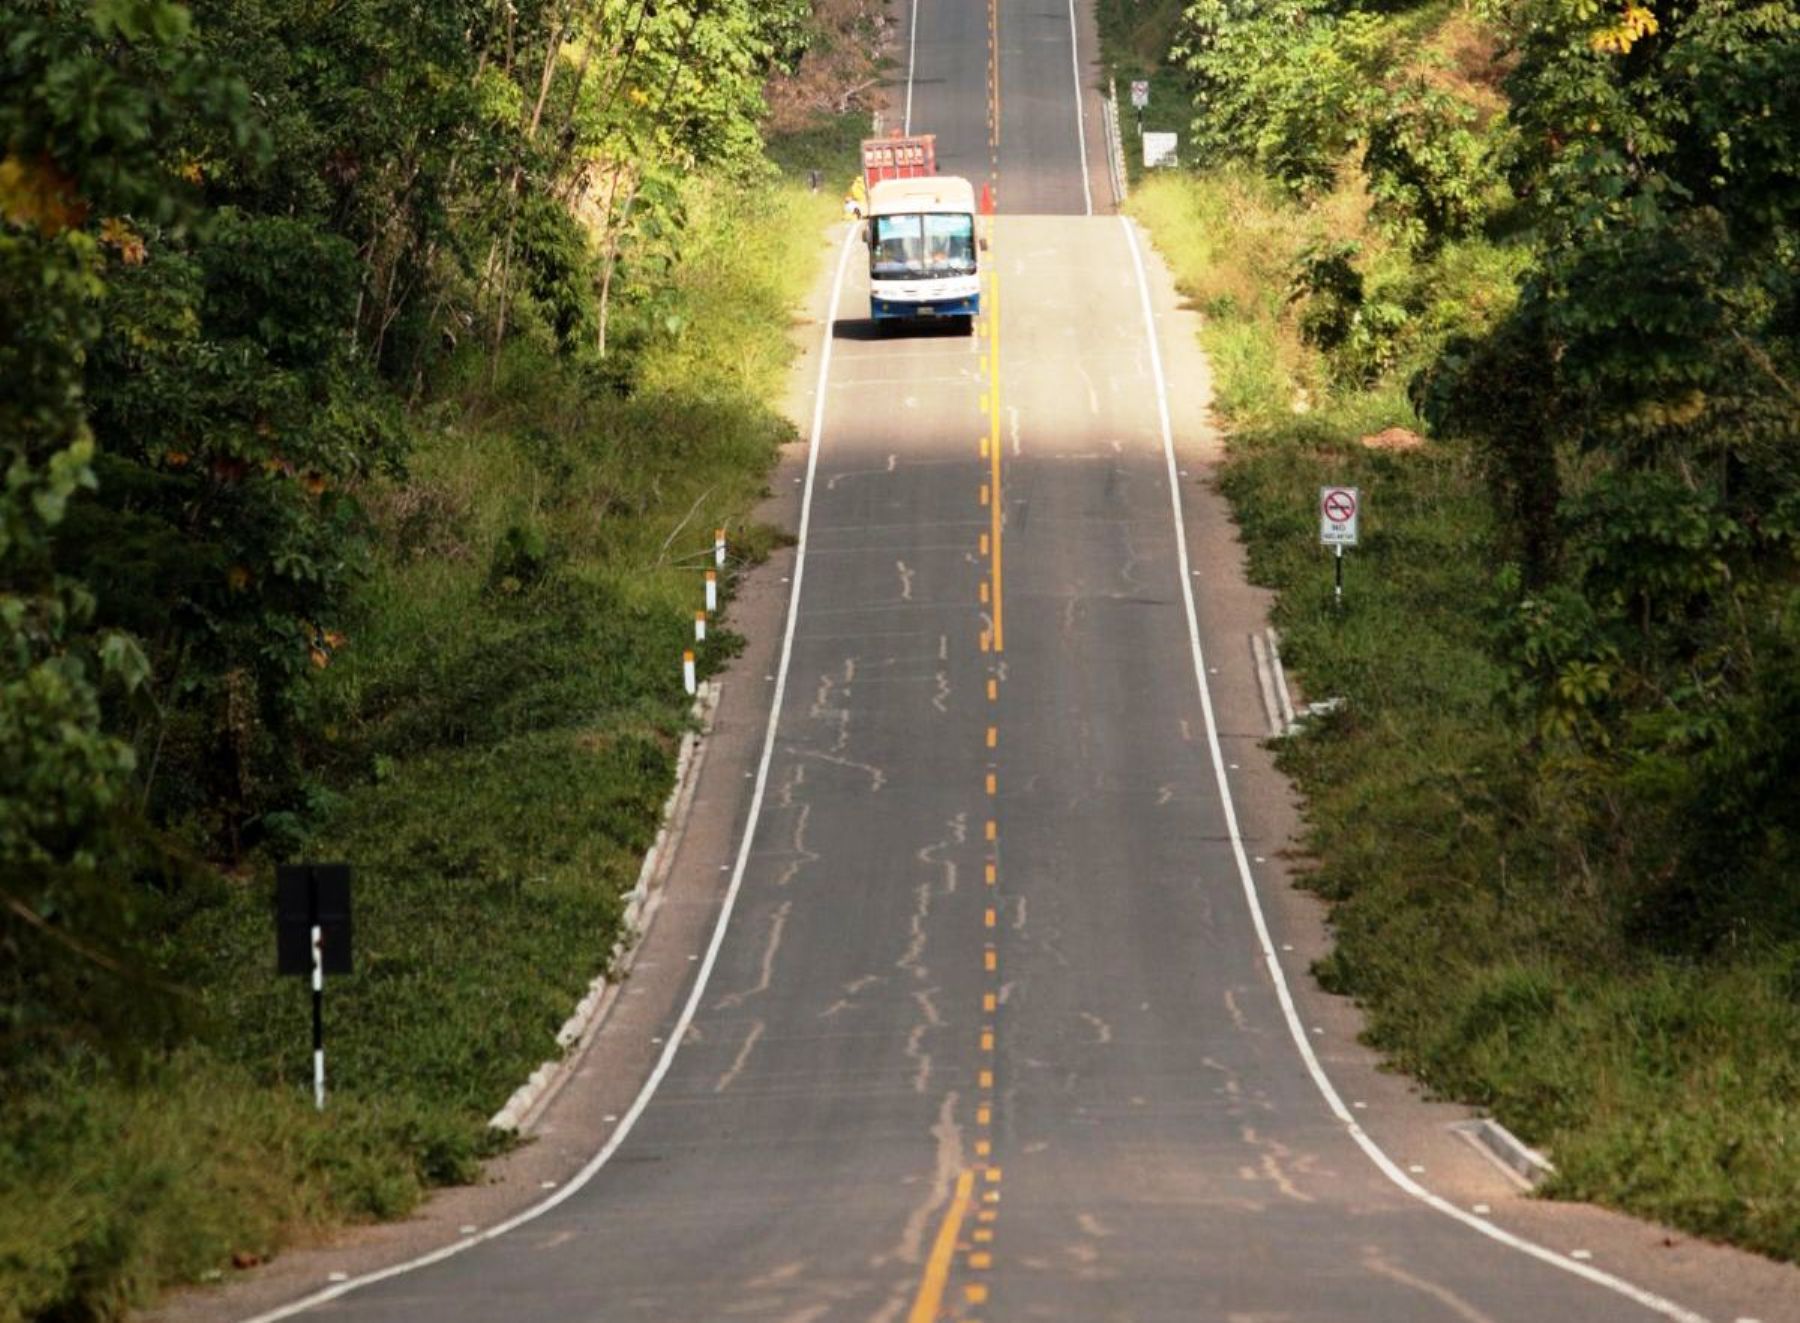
x=978, y=1255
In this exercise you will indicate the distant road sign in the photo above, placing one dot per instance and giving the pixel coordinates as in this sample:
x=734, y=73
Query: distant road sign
x=1338, y=510
x=1159, y=149
x=1140, y=93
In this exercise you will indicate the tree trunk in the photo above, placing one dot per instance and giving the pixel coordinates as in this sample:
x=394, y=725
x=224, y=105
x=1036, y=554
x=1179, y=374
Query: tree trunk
x=614, y=234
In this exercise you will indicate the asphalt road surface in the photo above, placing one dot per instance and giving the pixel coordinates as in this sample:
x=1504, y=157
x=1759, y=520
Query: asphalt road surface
x=994, y=1030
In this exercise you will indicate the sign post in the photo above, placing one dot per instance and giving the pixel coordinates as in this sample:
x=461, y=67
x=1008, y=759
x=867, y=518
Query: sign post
x=1140, y=97
x=312, y=939
x=1338, y=511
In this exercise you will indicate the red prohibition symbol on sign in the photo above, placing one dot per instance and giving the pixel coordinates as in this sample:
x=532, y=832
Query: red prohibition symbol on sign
x=1340, y=507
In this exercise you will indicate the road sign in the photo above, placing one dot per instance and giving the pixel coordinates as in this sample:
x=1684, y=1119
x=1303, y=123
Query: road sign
x=309, y=896
x=1338, y=508
x=1140, y=93
x=1159, y=149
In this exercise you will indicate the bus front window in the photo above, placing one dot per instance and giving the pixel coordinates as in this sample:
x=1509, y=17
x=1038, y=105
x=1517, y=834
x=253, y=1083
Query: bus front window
x=915, y=247
x=950, y=245
x=898, y=251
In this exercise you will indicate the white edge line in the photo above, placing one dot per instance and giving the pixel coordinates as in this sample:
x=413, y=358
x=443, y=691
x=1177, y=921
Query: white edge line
x=1087, y=191
x=679, y=1032
x=1277, y=975
x=912, y=59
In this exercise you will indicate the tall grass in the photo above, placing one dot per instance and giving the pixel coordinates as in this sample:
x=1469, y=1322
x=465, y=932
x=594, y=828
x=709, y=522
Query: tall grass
x=495, y=741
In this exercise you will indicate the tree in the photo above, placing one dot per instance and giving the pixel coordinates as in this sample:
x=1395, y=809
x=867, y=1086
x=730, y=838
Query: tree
x=79, y=155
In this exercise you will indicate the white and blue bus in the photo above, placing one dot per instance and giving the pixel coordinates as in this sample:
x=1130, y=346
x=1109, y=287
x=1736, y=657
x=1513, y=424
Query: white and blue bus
x=923, y=252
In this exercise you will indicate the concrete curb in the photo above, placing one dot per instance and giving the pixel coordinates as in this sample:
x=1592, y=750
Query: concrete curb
x=530, y=1098
x=1271, y=681
x=1115, y=143
x=1506, y=1150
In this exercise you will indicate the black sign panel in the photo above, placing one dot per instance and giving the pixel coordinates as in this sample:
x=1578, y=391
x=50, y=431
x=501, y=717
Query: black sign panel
x=308, y=894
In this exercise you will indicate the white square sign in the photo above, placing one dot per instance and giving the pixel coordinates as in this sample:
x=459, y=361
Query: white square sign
x=1338, y=509
x=1159, y=149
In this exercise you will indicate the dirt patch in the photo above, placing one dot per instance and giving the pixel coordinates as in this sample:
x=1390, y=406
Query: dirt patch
x=1469, y=65
x=1393, y=438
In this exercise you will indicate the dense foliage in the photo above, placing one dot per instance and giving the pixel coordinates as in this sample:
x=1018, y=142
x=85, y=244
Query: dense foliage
x=374, y=374
x=238, y=238
x=1649, y=454
x=1637, y=412
x=1554, y=810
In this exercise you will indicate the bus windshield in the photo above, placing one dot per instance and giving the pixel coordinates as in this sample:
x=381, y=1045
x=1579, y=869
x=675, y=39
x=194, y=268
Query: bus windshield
x=921, y=246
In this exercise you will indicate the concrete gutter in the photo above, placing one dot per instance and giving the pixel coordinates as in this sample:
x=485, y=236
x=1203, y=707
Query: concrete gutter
x=1504, y=1149
x=1115, y=144
x=530, y=1099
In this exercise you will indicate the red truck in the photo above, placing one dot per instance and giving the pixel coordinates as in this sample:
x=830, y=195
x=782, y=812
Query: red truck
x=898, y=156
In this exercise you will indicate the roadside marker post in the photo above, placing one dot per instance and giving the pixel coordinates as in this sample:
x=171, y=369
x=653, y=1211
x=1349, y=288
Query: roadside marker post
x=712, y=590
x=1339, y=508
x=688, y=679
x=312, y=939
x=699, y=626
x=719, y=548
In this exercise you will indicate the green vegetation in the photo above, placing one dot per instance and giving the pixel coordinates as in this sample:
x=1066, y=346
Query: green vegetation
x=365, y=439
x=1136, y=40
x=1555, y=810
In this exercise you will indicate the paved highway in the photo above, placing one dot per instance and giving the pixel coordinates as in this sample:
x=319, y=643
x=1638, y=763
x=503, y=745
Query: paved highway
x=993, y=1030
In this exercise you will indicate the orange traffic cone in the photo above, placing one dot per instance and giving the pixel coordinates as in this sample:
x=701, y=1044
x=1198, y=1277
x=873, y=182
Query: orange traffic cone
x=987, y=199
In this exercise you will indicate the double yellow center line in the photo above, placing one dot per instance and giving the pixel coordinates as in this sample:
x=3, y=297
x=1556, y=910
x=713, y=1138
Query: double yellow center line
x=993, y=448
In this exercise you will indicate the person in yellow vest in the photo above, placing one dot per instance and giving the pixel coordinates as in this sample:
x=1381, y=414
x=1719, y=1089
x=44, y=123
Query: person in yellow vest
x=856, y=200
